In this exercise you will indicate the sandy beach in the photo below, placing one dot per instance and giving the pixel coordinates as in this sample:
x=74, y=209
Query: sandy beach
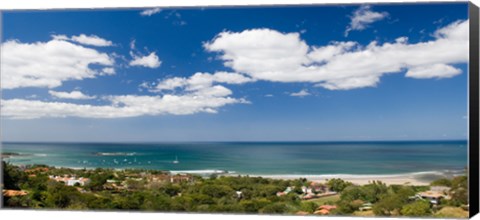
x=418, y=179
x=389, y=180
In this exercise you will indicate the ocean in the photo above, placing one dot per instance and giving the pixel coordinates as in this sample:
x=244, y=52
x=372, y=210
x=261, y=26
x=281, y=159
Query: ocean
x=253, y=158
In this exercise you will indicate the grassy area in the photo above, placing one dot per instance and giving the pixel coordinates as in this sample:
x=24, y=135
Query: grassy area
x=364, y=213
x=324, y=200
x=451, y=212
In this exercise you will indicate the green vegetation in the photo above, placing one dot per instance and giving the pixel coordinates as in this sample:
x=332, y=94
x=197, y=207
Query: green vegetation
x=222, y=194
x=400, y=200
x=12, y=177
x=418, y=208
x=150, y=190
x=451, y=212
x=327, y=200
x=442, y=182
x=338, y=185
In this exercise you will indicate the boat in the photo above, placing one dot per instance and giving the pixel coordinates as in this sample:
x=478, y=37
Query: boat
x=176, y=160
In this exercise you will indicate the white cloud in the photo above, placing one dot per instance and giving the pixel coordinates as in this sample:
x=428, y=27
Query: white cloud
x=132, y=44
x=262, y=51
x=362, y=17
x=269, y=55
x=92, y=40
x=198, y=94
x=145, y=85
x=60, y=37
x=326, y=53
x=121, y=106
x=108, y=71
x=301, y=93
x=171, y=84
x=150, y=60
x=200, y=81
x=350, y=83
x=150, y=12
x=70, y=95
x=48, y=64
x=438, y=70
x=214, y=91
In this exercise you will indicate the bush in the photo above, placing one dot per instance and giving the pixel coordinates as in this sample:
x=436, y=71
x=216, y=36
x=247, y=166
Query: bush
x=13, y=177
x=416, y=209
x=274, y=208
x=388, y=204
x=451, y=212
x=309, y=207
x=442, y=182
x=459, y=191
x=338, y=185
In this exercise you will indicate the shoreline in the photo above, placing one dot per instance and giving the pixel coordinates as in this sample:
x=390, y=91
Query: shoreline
x=413, y=178
x=360, y=179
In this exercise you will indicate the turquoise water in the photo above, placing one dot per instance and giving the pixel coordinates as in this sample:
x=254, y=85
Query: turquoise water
x=264, y=158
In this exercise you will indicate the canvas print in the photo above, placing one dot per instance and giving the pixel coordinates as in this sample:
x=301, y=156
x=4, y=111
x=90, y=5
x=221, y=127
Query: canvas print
x=324, y=110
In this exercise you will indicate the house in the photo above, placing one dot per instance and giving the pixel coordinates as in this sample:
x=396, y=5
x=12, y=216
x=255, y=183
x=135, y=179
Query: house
x=37, y=169
x=159, y=178
x=13, y=193
x=328, y=207
x=325, y=209
x=307, y=190
x=318, y=187
x=322, y=212
x=71, y=181
x=82, y=181
x=431, y=196
x=239, y=194
x=285, y=192
x=309, y=196
x=365, y=207
x=181, y=178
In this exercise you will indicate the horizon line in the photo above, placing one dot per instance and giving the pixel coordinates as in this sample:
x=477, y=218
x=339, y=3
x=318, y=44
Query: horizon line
x=232, y=141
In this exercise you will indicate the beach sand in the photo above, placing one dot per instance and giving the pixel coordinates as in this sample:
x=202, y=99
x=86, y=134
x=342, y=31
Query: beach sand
x=386, y=180
x=417, y=179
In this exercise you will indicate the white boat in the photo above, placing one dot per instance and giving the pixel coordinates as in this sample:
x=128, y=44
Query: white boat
x=176, y=160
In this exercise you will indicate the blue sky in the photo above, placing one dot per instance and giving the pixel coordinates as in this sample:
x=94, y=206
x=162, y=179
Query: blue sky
x=336, y=72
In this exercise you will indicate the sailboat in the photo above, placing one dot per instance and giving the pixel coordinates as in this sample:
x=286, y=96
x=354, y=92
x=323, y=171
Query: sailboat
x=176, y=160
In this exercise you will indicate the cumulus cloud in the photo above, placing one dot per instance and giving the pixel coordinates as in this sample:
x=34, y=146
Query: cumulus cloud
x=362, y=17
x=48, y=64
x=150, y=61
x=198, y=93
x=108, y=71
x=326, y=53
x=269, y=55
x=260, y=51
x=91, y=40
x=301, y=93
x=256, y=54
x=438, y=70
x=70, y=95
x=200, y=81
x=120, y=106
x=150, y=12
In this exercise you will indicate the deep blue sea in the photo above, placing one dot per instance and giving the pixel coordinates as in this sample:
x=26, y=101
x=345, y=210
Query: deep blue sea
x=255, y=158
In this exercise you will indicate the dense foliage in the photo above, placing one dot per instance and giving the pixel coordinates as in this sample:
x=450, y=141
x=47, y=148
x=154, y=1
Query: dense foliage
x=237, y=194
